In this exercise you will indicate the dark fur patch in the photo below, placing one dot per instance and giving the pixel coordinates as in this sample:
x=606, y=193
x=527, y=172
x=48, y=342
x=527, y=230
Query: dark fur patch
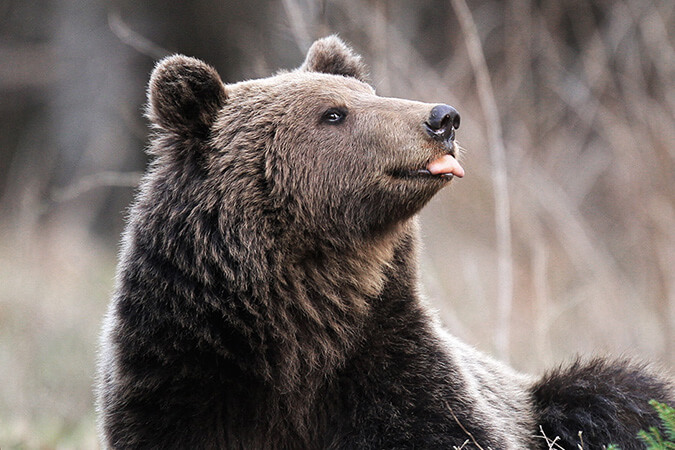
x=184, y=96
x=606, y=401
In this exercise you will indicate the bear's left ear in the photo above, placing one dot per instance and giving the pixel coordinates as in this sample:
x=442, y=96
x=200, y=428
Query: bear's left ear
x=331, y=55
x=185, y=96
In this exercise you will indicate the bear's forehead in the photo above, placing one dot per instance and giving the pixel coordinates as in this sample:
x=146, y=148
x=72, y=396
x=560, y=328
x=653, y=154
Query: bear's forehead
x=298, y=84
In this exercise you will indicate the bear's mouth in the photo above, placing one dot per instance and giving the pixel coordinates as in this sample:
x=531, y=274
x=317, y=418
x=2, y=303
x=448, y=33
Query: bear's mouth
x=423, y=173
x=445, y=167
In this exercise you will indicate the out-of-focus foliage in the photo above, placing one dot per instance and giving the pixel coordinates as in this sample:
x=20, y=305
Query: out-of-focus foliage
x=585, y=93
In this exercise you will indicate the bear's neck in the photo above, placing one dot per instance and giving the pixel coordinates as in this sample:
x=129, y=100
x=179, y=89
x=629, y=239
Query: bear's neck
x=321, y=298
x=320, y=308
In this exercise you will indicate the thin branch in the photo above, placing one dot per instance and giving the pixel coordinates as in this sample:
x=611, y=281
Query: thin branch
x=299, y=27
x=96, y=180
x=499, y=177
x=462, y=427
x=461, y=447
x=134, y=40
x=552, y=444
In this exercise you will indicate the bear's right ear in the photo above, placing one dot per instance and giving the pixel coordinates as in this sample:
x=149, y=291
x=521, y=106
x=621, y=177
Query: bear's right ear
x=184, y=96
x=331, y=55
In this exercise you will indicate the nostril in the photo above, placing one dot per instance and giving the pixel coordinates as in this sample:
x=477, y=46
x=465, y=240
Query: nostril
x=455, y=119
x=443, y=119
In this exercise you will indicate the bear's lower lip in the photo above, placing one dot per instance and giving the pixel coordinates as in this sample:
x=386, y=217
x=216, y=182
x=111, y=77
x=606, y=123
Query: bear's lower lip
x=426, y=173
x=422, y=173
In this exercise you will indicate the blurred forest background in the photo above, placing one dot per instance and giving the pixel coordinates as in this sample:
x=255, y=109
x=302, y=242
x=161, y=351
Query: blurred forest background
x=559, y=241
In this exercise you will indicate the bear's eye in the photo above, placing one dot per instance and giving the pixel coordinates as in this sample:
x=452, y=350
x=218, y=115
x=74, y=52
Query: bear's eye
x=334, y=116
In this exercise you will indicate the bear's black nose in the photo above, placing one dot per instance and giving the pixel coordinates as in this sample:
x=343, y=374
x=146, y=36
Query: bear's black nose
x=442, y=122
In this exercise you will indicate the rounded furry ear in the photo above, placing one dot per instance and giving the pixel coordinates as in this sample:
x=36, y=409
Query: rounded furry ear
x=184, y=96
x=331, y=55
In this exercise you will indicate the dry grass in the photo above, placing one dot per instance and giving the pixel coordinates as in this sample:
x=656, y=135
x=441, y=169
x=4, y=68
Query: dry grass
x=53, y=291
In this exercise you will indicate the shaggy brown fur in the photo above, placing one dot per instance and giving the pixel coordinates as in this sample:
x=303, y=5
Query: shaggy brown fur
x=267, y=291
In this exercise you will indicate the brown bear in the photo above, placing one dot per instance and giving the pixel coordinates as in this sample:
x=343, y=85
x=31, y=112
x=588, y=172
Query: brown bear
x=267, y=293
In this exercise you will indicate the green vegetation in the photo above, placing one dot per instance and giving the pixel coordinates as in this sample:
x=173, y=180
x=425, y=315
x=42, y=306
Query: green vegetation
x=653, y=437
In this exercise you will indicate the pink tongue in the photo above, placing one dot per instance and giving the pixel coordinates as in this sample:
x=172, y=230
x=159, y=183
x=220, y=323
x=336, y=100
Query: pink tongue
x=445, y=164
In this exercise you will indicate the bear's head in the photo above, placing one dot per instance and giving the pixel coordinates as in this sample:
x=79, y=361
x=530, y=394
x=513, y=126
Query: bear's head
x=312, y=152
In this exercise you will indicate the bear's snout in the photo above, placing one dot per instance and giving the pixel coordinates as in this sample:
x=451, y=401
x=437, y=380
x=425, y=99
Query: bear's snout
x=442, y=122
